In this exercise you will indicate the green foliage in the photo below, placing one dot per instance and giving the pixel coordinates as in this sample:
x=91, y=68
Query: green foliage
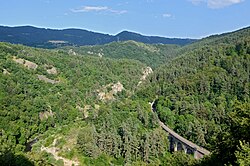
x=8, y=158
x=151, y=55
x=197, y=93
x=87, y=142
x=24, y=99
x=228, y=141
x=179, y=159
x=243, y=154
x=32, y=107
x=122, y=133
x=49, y=141
x=203, y=94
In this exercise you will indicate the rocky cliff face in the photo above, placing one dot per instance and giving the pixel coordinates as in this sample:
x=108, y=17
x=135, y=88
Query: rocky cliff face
x=145, y=73
x=26, y=63
x=105, y=95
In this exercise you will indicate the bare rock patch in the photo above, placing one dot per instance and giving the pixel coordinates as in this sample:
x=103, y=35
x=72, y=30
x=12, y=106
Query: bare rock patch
x=5, y=72
x=26, y=63
x=46, y=114
x=52, y=71
x=145, y=74
x=105, y=94
x=47, y=80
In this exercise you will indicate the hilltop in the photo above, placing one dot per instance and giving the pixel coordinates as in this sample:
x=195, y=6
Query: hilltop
x=51, y=38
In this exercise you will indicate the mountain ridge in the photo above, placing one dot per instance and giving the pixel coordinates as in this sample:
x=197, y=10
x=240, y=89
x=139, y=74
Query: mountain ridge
x=41, y=37
x=63, y=102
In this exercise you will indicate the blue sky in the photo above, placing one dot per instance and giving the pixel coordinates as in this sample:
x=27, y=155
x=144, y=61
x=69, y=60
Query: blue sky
x=169, y=18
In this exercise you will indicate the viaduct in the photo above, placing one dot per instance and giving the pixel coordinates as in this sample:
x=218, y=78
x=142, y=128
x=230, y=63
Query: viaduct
x=178, y=143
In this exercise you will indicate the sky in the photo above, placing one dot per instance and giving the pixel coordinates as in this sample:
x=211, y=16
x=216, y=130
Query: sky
x=168, y=18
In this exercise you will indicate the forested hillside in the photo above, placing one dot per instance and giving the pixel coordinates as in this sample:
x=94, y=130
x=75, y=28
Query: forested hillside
x=153, y=55
x=51, y=96
x=53, y=38
x=204, y=94
x=90, y=105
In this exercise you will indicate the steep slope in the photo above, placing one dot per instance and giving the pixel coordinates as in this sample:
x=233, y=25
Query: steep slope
x=198, y=92
x=226, y=38
x=51, y=38
x=65, y=106
x=51, y=111
x=38, y=93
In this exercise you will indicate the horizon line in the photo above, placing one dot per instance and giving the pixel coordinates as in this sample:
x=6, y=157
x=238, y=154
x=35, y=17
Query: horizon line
x=132, y=31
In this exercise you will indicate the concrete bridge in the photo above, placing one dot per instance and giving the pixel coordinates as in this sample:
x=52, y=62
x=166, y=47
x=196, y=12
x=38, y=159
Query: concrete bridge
x=178, y=143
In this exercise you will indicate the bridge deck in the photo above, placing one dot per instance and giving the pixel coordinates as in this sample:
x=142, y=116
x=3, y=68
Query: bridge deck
x=180, y=138
x=183, y=140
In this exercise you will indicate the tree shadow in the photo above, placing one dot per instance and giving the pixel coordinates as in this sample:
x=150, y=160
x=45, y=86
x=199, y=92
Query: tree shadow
x=10, y=159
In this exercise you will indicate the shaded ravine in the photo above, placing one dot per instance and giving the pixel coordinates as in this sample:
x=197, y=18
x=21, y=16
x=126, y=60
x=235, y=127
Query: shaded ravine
x=184, y=141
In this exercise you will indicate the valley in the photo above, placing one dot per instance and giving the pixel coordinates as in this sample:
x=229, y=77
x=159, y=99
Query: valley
x=89, y=104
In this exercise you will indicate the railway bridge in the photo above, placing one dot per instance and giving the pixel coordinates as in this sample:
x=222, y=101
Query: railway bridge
x=179, y=143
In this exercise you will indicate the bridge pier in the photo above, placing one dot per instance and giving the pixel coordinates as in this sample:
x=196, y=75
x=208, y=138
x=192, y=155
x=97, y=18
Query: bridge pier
x=177, y=142
x=177, y=145
x=197, y=154
x=184, y=147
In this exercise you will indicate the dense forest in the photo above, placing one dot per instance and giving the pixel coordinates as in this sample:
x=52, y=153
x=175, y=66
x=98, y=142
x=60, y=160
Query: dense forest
x=204, y=94
x=53, y=38
x=152, y=55
x=43, y=91
x=90, y=105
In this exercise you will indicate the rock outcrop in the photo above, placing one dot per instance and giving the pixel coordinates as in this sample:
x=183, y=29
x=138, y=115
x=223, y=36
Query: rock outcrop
x=84, y=110
x=145, y=73
x=87, y=109
x=5, y=72
x=105, y=95
x=47, y=80
x=55, y=152
x=46, y=114
x=72, y=52
x=26, y=63
x=52, y=71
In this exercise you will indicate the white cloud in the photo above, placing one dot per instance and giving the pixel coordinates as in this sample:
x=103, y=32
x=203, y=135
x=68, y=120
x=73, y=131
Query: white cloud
x=90, y=8
x=197, y=2
x=216, y=4
x=167, y=15
x=98, y=9
x=118, y=11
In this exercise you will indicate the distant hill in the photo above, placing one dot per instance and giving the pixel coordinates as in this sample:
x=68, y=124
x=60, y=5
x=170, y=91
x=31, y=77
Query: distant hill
x=51, y=38
x=152, y=55
x=126, y=35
